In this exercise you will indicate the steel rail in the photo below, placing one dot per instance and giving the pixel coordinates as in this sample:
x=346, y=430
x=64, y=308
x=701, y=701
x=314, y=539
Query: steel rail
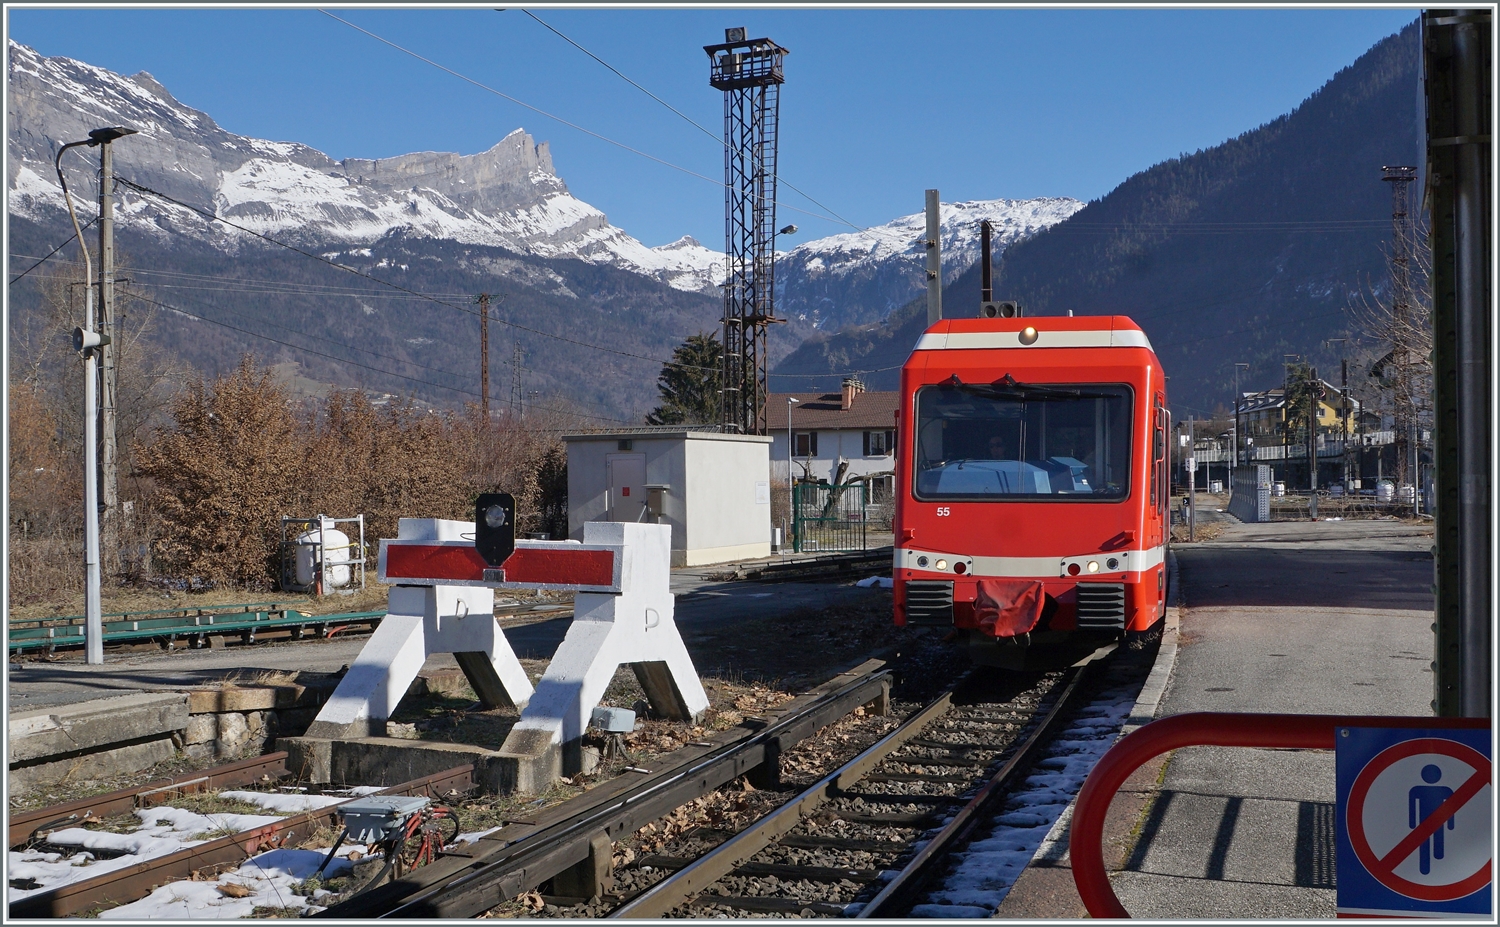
x=132, y=883
x=497, y=869
x=898, y=892
x=680, y=887
x=22, y=827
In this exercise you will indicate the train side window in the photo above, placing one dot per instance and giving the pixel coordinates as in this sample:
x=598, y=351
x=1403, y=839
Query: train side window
x=1158, y=454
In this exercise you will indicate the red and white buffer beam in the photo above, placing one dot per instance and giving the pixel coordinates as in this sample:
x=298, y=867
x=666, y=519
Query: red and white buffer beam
x=425, y=617
x=622, y=615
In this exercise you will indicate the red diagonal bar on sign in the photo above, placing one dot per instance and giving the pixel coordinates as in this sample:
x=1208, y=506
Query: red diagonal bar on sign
x=1432, y=822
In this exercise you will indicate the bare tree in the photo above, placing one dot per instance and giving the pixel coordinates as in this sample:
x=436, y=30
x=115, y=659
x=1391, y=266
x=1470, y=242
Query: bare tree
x=1396, y=321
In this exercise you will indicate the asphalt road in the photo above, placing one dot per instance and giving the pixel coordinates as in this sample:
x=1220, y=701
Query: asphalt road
x=702, y=606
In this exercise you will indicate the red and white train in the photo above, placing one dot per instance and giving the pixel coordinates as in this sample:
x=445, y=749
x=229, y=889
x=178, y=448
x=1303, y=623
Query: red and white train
x=1032, y=485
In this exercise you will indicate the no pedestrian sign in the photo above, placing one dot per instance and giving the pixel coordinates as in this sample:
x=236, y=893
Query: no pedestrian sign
x=1414, y=822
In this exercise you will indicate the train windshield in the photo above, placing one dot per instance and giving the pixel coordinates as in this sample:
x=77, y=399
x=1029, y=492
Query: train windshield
x=1011, y=441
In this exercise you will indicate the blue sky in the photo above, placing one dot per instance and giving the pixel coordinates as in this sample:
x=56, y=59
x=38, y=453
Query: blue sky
x=879, y=105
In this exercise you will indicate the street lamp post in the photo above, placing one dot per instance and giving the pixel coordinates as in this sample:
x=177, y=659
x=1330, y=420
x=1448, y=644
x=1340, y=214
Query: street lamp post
x=94, y=346
x=1237, y=413
x=791, y=488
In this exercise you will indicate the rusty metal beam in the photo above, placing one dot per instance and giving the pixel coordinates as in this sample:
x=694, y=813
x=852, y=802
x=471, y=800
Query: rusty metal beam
x=125, y=885
x=244, y=772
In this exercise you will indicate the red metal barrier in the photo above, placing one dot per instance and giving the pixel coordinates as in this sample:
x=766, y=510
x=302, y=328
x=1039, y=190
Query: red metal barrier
x=1199, y=729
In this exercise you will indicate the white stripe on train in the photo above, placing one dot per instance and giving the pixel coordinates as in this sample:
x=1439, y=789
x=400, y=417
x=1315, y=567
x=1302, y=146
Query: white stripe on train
x=952, y=341
x=1137, y=560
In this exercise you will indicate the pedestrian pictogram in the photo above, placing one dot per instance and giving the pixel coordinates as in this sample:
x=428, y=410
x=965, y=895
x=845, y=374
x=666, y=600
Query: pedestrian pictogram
x=1414, y=821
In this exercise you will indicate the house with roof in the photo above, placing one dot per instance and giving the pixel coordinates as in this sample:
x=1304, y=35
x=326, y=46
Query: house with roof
x=855, y=426
x=1263, y=414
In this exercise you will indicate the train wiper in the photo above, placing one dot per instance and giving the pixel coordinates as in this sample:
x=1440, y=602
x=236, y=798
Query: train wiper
x=1008, y=387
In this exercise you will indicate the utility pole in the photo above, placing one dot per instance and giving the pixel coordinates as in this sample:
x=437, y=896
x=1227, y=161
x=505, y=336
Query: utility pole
x=1314, y=390
x=934, y=243
x=1237, y=413
x=108, y=448
x=517, y=396
x=1458, y=71
x=986, y=284
x=1192, y=468
x=1403, y=348
x=109, y=453
x=484, y=356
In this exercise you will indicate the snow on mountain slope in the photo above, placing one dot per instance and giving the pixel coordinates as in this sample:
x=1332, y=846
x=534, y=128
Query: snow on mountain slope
x=508, y=196
x=858, y=277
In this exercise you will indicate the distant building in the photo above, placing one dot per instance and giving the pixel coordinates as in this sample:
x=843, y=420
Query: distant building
x=853, y=425
x=1263, y=414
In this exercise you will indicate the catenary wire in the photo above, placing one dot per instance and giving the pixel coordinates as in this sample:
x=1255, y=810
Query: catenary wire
x=690, y=120
x=396, y=286
x=43, y=260
x=342, y=360
x=423, y=296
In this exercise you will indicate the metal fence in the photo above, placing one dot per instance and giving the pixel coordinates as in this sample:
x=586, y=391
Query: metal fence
x=1250, y=497
x=828, y=517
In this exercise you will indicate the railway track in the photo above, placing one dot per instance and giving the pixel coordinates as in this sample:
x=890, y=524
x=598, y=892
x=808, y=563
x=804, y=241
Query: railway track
x=526, y=853
x=836, y=843
x=464, y=880
x=133, y=882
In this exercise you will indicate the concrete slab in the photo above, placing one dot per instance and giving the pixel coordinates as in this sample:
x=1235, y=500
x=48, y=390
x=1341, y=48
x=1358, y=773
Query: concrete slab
x=1297, y=618
x=383, y=761
x=1179, y=898
x=100, y=764
x=70, y=729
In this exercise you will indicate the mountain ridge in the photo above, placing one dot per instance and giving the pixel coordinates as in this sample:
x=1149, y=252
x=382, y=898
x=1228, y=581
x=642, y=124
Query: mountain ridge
x=1255, y=247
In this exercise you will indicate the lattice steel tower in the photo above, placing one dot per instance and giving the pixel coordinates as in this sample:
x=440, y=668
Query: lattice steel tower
x=1404, y=340
x=750, y=74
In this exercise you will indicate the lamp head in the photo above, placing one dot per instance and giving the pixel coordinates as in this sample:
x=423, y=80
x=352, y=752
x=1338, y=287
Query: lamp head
x=108, y=134
x=789, y=230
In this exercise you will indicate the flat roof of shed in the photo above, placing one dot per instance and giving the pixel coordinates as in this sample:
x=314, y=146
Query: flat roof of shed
x=644, y=435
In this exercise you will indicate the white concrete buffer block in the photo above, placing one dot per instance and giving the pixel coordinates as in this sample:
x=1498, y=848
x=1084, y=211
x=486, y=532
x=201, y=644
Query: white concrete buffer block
x=635, y=627
x=421, y=621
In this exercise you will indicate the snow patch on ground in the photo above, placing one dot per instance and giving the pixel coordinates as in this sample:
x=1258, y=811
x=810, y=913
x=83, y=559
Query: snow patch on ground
x=287, y=804
x=269, y=877
x=983, y=874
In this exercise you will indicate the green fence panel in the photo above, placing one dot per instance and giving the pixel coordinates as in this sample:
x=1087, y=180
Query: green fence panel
x=829, y=517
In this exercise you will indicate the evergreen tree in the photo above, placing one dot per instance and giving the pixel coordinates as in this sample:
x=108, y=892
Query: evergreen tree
x=690, y=383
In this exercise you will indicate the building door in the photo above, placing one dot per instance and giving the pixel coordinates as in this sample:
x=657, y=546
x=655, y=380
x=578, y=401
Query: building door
x=627, y=486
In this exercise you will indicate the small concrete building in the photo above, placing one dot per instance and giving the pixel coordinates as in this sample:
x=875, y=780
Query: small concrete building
x=713, y=489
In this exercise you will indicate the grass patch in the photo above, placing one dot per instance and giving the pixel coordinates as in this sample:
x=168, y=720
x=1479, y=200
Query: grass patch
x=263, y=911
x=215, y=803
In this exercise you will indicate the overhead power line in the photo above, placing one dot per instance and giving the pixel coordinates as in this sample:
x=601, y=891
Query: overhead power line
x=395, y=286
x=39, y=263
x=343, y=360
x=572, y=125
x=690, y=120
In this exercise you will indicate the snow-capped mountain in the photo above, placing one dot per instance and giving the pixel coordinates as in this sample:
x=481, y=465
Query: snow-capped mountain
x=509, y=196
x=859, y=277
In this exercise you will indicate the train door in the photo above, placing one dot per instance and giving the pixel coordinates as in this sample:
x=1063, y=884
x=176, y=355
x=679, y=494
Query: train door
x=1160, y=474
x=627, y=486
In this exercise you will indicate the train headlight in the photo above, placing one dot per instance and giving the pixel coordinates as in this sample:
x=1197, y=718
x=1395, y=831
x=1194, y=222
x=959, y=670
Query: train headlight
x=941, y=564
x=1093, y=566
x=1028, y=335
x=922, y=562
x=1112, y=563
